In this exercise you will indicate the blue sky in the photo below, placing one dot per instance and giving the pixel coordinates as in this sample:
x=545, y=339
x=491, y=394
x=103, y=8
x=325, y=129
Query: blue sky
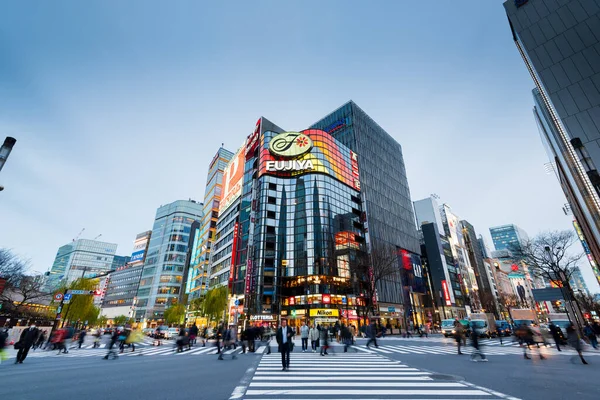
x=118, y=107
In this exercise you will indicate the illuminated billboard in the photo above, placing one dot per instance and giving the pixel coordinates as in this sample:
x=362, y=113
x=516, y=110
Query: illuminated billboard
x=291, y=154
x=233, y=179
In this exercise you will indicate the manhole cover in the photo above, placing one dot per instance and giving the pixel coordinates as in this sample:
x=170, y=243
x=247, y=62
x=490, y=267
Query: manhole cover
x=442, y=377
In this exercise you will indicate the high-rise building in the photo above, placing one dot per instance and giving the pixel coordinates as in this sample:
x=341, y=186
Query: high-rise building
x=220, y=186
x=309, y=217
x=439, y=259
x=122, y=285
x=82, y=258
x=578, y=283
x=385, y=196
x=508, y=237
x=482, y=276
x=162, y=277
x=559, y=42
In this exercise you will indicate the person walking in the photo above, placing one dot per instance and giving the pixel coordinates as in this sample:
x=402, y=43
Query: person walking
x=284, y=337
x=371, y=333
x=81, y=338
x=181, y=339
x=58, y=340
x=3, y=339
x=219, y=336
x=113, y=341
x=555, y=335
x=313, y=335
x=41, y=339
x=97, y=338
x=527, y=336
x=204, y=336
x=26, y=340
x=346, y=337
x=324, y=339
x=589, y=333
x=304, y=332
x=459, y=332
x=477, y=347
x=193, y=335
x=575, y=342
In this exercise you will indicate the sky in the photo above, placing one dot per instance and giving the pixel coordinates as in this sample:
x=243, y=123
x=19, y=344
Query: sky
x=118, y=107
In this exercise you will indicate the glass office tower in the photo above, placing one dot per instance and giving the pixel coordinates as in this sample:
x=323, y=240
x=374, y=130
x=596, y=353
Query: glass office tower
x=385, y=196
x=162, y=277
x=559, y=42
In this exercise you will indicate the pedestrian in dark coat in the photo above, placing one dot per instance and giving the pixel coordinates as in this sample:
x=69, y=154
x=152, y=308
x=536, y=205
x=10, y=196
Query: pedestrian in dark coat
x=285, y=336
x=26, y=340
x=575, y=342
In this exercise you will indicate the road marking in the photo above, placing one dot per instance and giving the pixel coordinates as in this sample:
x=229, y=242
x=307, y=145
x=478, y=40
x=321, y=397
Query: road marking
x=359, y=384
x=388, y=392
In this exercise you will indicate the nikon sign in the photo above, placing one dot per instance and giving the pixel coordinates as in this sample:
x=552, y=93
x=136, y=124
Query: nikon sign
x=324, y=312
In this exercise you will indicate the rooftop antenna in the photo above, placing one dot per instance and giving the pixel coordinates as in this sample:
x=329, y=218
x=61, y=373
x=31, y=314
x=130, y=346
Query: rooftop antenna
x=79, y=234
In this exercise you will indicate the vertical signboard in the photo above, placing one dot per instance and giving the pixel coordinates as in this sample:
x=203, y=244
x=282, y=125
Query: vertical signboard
x=446, y=293
x=233, y=254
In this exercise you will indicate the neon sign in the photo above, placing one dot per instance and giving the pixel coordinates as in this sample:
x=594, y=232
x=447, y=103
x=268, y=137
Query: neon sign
x=290, y=144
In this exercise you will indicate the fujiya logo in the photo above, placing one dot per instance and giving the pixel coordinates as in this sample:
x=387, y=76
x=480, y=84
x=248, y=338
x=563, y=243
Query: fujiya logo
x=290, y=144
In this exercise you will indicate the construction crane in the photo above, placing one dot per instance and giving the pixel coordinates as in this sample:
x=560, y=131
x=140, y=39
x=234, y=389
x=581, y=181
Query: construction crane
x=97, y=236
x=79, y=234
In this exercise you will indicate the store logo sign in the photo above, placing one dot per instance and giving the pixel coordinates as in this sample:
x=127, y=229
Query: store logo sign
x=290, y=144
x=295, y=165
x=324, y=312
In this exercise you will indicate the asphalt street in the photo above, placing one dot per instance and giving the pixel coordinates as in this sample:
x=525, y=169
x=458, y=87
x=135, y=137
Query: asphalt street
x=126, y=378
x=399, y=369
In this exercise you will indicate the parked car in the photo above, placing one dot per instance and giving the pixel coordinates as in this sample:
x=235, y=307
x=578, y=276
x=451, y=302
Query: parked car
x=448, y=327
x=171, y=333
x=148, y=332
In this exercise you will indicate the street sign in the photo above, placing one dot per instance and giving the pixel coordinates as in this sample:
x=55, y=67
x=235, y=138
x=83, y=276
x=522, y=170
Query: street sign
x=59, y=310
x=237, y=302
x=68, y=296
x=57, y=316
x=80, y=292
x=58, y=296
x=391, y=309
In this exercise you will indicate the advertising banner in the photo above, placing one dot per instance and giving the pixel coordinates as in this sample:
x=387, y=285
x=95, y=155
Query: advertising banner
x=232, y=180
x=295, y=153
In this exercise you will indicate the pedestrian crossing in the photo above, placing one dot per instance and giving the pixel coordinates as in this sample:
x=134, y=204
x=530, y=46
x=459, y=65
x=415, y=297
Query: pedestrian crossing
x=166, y=349
x=351, y=376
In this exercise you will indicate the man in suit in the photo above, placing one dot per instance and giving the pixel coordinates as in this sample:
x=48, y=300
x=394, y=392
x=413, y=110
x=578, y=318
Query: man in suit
x=27, y=339
x=284, y=336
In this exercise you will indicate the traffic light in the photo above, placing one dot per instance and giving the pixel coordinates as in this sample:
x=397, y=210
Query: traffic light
x=586, y=315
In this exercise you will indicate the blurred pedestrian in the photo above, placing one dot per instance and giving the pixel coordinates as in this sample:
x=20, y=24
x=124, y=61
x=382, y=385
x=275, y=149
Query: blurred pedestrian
x=181, y=340
x=41, y=339
x=204, y=336
x=526, y=335
x=112, y=353
x=324, y=339
x=575, y=342
x=313, y=335
x=219, y=336
x=459, y=332
x=58, y=340
x=228, y=342
x=304, y=331
x=193, y=335
x=554, y=331
x=28, y=337
x=371, y=333
x=285, y=336
x=589, y=333
x=476, y=347
x=3, y=339
x=81, y=338
x=346, y=337
x=97, y=337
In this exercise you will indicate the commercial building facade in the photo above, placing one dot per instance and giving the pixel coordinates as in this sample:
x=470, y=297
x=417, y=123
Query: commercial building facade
x=82, y=258
x=162, y=278
x=560, y=45
x=311, y=217
x=198, y=272
x=122, y=286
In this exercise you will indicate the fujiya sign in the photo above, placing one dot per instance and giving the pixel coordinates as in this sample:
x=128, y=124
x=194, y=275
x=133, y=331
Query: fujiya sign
x=290, y=144
x=291, y=165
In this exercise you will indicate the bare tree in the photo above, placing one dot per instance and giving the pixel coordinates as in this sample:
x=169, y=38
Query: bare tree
x=550, y=256
x=12, y=268
x=372, y=270
x=488, y=302
x=588, y=302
